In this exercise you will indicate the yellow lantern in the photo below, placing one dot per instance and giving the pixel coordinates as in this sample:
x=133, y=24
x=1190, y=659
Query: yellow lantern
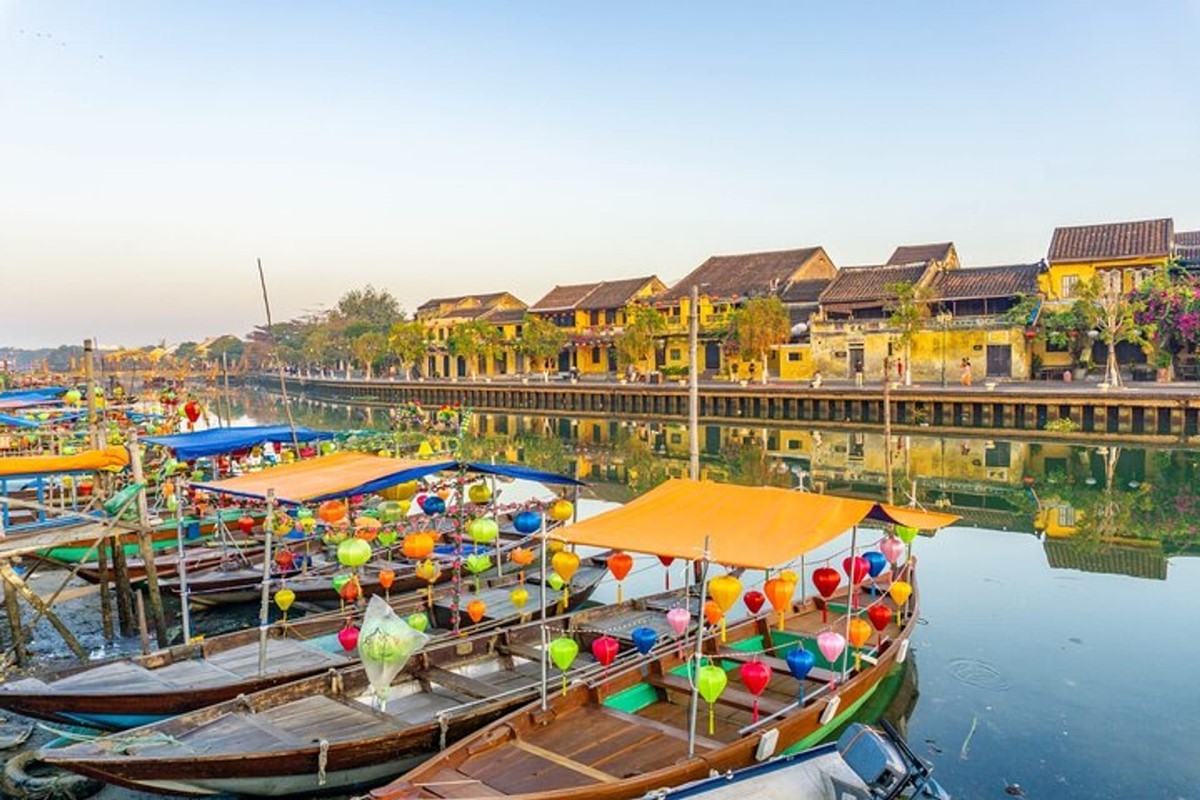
x=401, y=491
x=519, y=597
x=284, y=599
x=561, y=510
x=479, y=493
x=900, y=592
x=725, y=590
x=564, y=564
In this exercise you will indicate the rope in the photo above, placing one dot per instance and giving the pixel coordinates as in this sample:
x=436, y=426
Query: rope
x=443, y=729
x=322, y=762
x=335, y=681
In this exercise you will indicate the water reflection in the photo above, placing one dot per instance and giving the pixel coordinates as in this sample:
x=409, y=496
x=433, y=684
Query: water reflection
x=1095, y=508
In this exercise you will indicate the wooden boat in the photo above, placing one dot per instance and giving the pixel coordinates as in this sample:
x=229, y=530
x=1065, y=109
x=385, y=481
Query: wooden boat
x=198, y=559
x=324, y=733
x=866, y=762
x=164, y=536
x=627, y=735
x=130, y=692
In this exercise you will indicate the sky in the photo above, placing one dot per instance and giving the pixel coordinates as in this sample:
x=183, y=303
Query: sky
x=151, y=151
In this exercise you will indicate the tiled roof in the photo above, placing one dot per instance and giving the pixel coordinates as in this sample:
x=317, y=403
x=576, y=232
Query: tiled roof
x=563, y=297
x=854, y=285
x=484, y=299
x=504, y=315
x=1137, y=562
x=1187, y=246
x=804, y=291
x=975, y=283
x=920, y=253
x=746, y=275
x=1146, y=239
x=615, y=294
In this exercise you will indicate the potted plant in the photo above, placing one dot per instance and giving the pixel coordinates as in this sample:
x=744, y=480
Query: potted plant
x=1164, y=362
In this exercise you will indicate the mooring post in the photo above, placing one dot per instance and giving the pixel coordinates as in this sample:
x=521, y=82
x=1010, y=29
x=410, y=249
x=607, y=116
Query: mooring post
x=13, y=580
x=106, y=612
x=123, y=587
x=13, y=609
x=145, y=544
x=143, y=634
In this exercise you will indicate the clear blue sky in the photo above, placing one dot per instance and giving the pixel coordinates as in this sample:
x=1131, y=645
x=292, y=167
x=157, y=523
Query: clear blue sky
x=152, y=150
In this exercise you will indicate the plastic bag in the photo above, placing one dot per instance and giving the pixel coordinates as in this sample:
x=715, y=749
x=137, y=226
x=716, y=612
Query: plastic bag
x=385, y=644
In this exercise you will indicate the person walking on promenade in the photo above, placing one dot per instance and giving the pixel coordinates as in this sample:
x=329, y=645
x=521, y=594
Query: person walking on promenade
x=966, y=372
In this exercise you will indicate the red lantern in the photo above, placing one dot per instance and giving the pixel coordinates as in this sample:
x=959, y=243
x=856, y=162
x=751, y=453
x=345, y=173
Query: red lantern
x=605, y=650
x=667, y=561
x=348, y=638
x=826, y=580
x=880, y=616
x=192, y=409
x=619, y=564
x=754, y=600
x=349, y=591
x=856, y=569
x=285, y=561
x=755, y=676
x=246, y=524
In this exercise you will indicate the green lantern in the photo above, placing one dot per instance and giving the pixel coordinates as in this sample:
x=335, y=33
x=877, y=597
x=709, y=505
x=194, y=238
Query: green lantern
x=563, y=651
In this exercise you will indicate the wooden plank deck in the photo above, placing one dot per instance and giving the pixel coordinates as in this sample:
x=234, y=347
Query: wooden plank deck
x=283, y=655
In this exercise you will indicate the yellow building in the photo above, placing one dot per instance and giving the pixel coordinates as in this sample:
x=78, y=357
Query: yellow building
x=723, y=283
x=965, y=330
x=1123, y=253
x=441, y=314
x=593, y=315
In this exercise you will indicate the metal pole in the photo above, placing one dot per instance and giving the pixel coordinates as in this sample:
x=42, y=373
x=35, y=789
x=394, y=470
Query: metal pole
x=90, y=388
x=228, y=401
x=145, y=542
x=850, y=592
x=183, y=577
x=545, y=646
x=265, y=605
x=694, y=386
x=694, y=705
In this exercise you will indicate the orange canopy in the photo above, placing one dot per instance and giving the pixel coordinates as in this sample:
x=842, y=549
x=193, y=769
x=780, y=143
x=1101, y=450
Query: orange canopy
x=335, y=475
x=747, y=526
x=113, y=458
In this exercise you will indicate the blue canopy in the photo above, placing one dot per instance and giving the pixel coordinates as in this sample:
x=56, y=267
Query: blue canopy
x=217, y=441
x=522, y=473
x=17, y=422
x=44, y=393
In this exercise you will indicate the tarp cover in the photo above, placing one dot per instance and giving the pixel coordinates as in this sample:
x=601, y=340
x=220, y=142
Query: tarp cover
x=756, y=527
x=343, y=474
x=17, y=422
x=216, y=441
x=109, y=458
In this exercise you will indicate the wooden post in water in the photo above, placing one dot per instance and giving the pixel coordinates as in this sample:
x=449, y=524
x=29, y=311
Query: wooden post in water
x=123, y=588
x=146, y=544
x=14, y=581
x=143, y=634
x=13, y=609
x=106, y=611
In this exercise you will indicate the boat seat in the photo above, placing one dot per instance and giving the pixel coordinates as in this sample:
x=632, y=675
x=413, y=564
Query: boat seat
x=818, y=674
x=731, y=696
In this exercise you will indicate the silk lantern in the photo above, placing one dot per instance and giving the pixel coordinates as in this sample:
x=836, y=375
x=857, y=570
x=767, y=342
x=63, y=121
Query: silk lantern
x=800, y=662
x=519, y=597
x=619, y=564
x=522, y=557
x=527, y=522
x=434, y=505
x=831, y=644
x=483, y=530
x=754, y=600
x=856, y=570
x=476, y=609
x=479, y=493
x=678, y=619
x=565, y=563
x=755, y=676
x=711, y=681
x=418, y=621
x=892, y=549
x=725, y=590
x=562, y=652
x=666, y=561
x=332, y=511
x=246, y=524
x=353, y=553
x=826, y=581
x=779, y=594
x=284, y=599
x=900, y=592
x=880, y=617
x=417, y=545
x=860, y=633
x=476, y=564
x=605, y=651
x=876, y=564
x=561, y=510
x=644, y=639
x=429, y=572
x=386, y=578
x=348, y=638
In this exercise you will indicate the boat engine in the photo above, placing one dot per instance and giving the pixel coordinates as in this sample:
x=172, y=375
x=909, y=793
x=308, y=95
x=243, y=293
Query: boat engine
x=886, y=765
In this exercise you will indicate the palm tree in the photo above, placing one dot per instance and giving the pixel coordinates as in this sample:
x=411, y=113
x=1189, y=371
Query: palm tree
x=759, y=325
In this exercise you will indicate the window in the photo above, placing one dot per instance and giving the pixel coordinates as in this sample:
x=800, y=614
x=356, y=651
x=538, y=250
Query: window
x=594, y=318
x=1112, y=281
x=676, y=354
x=676, y=438
x=610, y=317
x=1140, y=276
x=595, y=355
x=793, y=356
x=1068, y=286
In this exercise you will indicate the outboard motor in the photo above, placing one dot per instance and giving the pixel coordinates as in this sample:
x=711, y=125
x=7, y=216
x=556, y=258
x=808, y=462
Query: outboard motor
x=886, y=765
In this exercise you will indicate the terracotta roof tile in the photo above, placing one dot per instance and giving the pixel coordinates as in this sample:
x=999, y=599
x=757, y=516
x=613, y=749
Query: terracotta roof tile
x=977, y=283
x=747, y=275
x=563, y=297
x=920, y=253
x=1187, y=247
x=614, y=294
x=859, y=285
x=1144, y=239
x=804, y=291
x=503, y=315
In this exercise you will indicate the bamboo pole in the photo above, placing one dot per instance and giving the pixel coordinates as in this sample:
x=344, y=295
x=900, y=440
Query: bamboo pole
x=287, y=406
x=145, y=543
x=14, y=580
x=694, y=704
x=184, y=611
x=265, y=606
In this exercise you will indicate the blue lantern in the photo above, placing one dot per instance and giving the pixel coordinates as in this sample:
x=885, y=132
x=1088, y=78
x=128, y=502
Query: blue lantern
x=644, y=639
x=434, y=505
x=876, y=563
x=800, y=663
x=527, y=522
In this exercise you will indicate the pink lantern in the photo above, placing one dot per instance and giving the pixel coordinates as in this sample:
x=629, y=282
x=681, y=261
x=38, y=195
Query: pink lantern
x=678, y=619
x=348, y=638
x=892, y=549
x=831, y=645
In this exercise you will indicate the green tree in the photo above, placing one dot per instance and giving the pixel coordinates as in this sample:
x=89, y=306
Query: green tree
x=1113, y=313
x=760, y=324
x=377, y=307
x=410, y=342
x=540, y=341
x=909, y=310
x=643, y=325
x=230, y=346
x=367, y=349
x=472, y=341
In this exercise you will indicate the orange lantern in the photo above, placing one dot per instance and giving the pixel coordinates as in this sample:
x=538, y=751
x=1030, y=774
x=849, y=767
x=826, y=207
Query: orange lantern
x=779, y=592
x=860, y=633
x=367, y=528
x=386, y=579
x=476, y=609
x=712, y=612
x=332, y=511
x=619, y=564
x=522, y=557
x=417, y=545
x=724, y=590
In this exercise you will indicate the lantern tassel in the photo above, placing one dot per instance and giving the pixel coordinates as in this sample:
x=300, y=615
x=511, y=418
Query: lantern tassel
x=722, y=629
x=712, y=720
x=619, y=597
x=429, y=596
x=824, y=615
x=754, y=713
x=566, y=597
x=781, y=619
x=858, y=660
x=564, y=684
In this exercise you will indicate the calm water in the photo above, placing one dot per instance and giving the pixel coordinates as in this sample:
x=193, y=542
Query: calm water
x=1060, y=649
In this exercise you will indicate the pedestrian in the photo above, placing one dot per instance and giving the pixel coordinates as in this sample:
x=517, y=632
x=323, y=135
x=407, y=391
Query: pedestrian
x=966, y=372
x=816, y=381
x=900, y=369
